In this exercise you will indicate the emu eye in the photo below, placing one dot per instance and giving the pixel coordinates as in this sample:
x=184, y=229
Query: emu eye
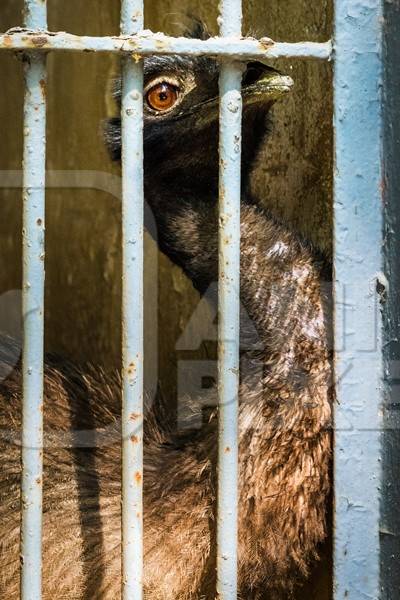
x=162, y=96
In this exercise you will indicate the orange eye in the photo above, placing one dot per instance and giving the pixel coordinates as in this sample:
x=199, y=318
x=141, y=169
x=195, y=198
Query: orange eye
x=162, y=96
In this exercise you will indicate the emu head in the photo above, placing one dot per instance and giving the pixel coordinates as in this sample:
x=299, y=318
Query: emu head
x=181, y=109
x=181, y=133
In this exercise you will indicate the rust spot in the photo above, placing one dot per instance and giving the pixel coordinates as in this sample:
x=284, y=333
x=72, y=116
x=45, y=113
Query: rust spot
x=382, y=187
x=134, y=439
x=162, y=45
x=134, y=416
x=227, y=450
x=39, y=222
x=41, y=408
x=138, y=515
x=133, y=43
x=138, y=477
x=39, y=40
x=42, y=84
x=39, y=480
x=131, y=368
x=7, y=40
x=265, y=43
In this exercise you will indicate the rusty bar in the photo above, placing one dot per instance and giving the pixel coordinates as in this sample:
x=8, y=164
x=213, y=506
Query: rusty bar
x=228, y=307
x=132, y=310
x=148, y=43
x=34, y=166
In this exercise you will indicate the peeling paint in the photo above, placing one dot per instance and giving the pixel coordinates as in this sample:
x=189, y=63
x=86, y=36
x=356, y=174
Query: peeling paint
x=148, y=43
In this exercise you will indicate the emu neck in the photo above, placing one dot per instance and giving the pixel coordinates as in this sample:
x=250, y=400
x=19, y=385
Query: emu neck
x=283, y=329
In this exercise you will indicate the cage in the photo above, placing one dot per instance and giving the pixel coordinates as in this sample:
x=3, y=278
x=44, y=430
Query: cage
x=338, y=192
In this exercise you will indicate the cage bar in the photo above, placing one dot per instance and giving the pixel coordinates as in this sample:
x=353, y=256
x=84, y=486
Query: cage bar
x=34, y=173
x=229, y=306
x=132, y=310
x=358, y=264
x=148, y=43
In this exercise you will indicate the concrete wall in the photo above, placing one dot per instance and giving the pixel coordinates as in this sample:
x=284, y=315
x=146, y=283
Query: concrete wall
x=83, y=225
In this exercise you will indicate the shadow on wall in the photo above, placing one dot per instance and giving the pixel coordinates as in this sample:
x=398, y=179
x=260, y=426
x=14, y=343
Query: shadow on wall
x=83, y=223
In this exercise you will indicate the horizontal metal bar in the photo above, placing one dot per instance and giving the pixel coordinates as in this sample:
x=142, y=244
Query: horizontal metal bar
x=34, y=175
x=148, y=43
x=132, y=310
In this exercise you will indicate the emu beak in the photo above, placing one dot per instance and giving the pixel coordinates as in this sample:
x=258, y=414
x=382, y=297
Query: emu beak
x=264, y=84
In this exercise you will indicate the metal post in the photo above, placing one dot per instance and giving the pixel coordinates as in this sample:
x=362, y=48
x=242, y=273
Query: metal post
x=359, y=281
x=228, y=315
x=33, y=308
x=390, y=514
x=132, y=310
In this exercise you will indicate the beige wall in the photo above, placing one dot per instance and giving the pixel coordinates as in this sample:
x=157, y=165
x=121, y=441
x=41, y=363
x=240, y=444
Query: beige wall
x=83, y=225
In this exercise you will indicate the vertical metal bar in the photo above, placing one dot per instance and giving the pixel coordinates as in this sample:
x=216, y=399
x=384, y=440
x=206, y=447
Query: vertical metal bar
x=33, y=308
x=228, y=316
x=132, y=310
x=358, y=207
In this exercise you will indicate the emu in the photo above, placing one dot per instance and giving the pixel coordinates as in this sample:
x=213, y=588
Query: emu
x=284, y=437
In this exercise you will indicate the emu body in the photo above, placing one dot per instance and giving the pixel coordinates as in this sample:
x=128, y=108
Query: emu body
x=284, y=438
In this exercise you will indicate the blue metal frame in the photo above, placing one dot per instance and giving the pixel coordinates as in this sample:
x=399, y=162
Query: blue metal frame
x=33, y=308
x=359, y=126
x=358, y=264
